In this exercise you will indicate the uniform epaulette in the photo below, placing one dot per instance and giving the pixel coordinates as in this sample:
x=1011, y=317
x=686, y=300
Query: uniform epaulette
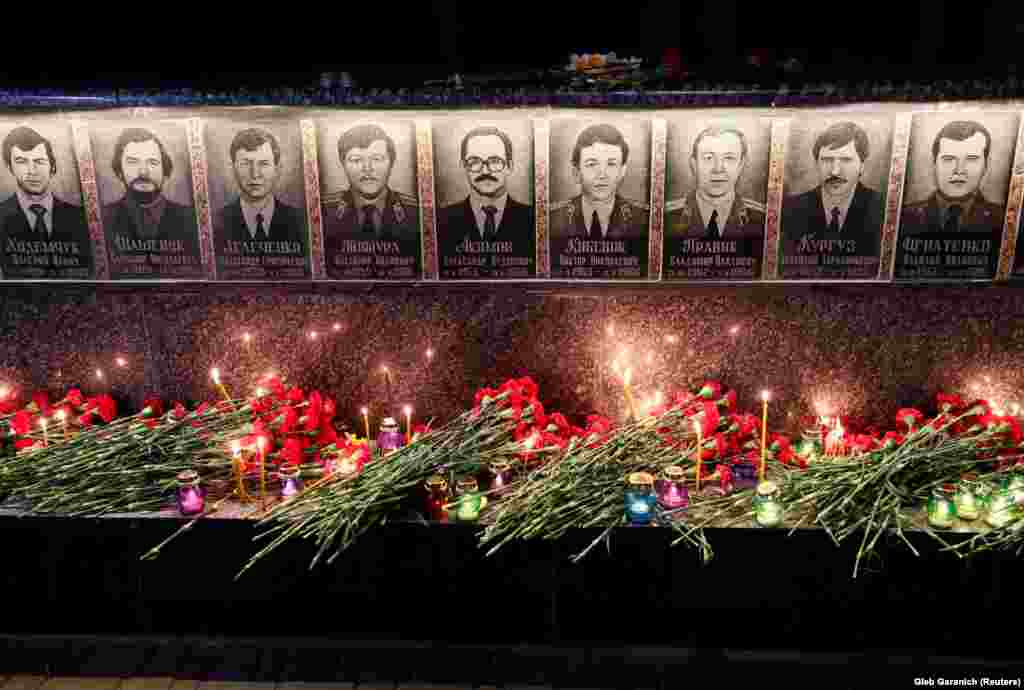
x=754, y=205
x=675, y=205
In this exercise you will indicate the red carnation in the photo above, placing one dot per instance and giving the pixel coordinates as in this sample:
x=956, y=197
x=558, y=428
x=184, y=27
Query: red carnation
x=296, y=395
x=327, y=435
x=724, y=473
x=329, y=409
x=313, y=411
x=42, y=402
x=75, y=397
x=85, y=420
x=909, y=417
x=709, y=421
x=683, y=399
x=892, y=437
x=292, y=452
x=179, y=411
x=720, y=445
x=949, y=402
x=560, y=422
x=23, y=443
x=711, y=390
x=155, y=405
x=22, y=423
x=779, y=442
x=729, y=401
x=421, y=429
x=108, y=408
x=289, y=419
x=596, y=424
x=862, y=443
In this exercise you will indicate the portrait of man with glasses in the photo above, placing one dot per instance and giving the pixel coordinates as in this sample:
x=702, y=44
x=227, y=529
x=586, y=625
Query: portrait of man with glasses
x=488, y=233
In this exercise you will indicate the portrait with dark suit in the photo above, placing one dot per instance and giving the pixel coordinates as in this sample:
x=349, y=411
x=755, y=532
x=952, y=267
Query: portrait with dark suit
x=145, y=182
x=371, y=219
x=41, y=235
x=488, y=230
x=951, y=222
x=716, y=183
x=256, y=185
x=598, y=223
x=833, y=230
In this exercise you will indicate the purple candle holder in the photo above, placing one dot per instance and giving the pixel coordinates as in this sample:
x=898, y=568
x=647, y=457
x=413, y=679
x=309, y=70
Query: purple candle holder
x=190, y=496
x=671, y=489
x=744, y=475
x=291, y=481
x=390, y=437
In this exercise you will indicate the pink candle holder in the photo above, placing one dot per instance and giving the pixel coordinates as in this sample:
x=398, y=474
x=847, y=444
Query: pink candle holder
x=671, y=489
x=190, y=496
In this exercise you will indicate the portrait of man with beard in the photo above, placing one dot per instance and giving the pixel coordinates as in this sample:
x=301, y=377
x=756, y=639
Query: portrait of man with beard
x=147, y=232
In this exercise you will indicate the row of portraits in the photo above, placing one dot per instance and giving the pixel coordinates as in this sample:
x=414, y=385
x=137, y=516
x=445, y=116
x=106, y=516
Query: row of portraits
x=687, y=197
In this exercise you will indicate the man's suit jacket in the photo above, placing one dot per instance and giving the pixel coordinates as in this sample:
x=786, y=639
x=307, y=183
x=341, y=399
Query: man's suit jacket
x=287, y=225
x=178, y=222
x=68, y=223
x=628, y=220
x=457, y=222
x=804, y=214
x=924, y=217
x=745, y=222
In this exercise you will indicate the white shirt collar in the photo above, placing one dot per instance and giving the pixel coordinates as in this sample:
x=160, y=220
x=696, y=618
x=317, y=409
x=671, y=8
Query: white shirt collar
x=722, y=204
x=477, y=203
x=249, y=212
x=46, y=201
x=842, y=204
x=604, y=213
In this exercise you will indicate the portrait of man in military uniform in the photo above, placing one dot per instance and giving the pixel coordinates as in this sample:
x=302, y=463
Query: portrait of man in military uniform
x=370, y=228
x=834, y=229
x=714, y=209
x=148, y=233
x=600, y=163
x=41, y=235
x=953, y=212
x=485, y=223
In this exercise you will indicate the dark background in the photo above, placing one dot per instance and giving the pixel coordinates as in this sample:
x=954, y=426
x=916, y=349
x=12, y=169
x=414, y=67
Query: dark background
x=407, y=43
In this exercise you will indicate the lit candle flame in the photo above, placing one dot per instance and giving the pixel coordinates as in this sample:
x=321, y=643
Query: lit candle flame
x=766, y=396
x=260, y=392
x=215, y=375
x=4, y=392
x=61, y=414
x=650, y=357
x=261, y=441
x=313, y=335
x=610, y=330
x=365, y=411
x=407, y=410
x=99, y=374
x=42, y=423
x=121, y=362
x=430, y=353
x=627, y=376
x=734, y=330
x=336, y=326
x=236, y=448
x=1015, y=408
x=247, y=337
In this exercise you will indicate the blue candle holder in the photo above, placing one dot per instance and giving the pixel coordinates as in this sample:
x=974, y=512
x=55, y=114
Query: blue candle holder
x=640, y=498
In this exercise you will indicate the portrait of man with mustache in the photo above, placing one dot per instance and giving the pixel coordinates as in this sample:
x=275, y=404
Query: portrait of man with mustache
x=143, y=166
x=841, y=207
x=257, y=214
x=42, y=235
x=489, y=213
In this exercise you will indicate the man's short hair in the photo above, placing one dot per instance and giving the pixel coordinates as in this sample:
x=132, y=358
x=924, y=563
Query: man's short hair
x=715, y=131
x=26, y=139
x=961, y=130
x=839, y=135
x=361, y=137
x=599, y=134
x=487, y=132
x=252, y=139
x=138, y=135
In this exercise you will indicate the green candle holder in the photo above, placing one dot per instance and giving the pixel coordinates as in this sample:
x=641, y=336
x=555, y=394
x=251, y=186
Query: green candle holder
x=966, y=501
x=941, y=509
x=767, y=506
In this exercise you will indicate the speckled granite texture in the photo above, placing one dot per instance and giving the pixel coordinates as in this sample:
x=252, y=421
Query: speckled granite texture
x=864, y=350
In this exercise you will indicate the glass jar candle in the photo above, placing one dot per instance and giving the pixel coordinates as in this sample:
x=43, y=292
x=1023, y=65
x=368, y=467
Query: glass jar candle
x=190, y=496
x=291, y=481
x=437, y=498
x=767, y=506
x=966, y=502
x=1016, y=488
x=501, y=475
x=390, y=437
x=468, y=501
x=941, y=509
x=671, y=489
x=744, y=475
x=640, y=498
x=1000, y=506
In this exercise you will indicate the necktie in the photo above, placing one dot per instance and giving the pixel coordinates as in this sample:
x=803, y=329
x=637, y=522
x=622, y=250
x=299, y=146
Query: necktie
x=713, y=232
x=261, y=232
x=595, y=227
x=368, y=218
x=489, y=228
x=40, y=211
x=953, y=218
x=833, y=227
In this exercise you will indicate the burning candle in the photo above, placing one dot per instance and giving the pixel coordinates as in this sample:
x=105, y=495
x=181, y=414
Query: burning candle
x=261, y=444
x=640, y=498
x=408, y=424
x=430, y=354
x=437, y=497
x=190, y=495
x=501, y=473
x=671, y=489
x=469, y=500
x=291, y=481
x=390, y=438
x=99, y=378
x=215, y=376
x=347, y=465
x=941, y=511
x=767, y=508
x=62, y=415
x=46, y=438
x=765, y=395
x=700, y=450
x=965, y=502
x=366, y=422
x=236, y=458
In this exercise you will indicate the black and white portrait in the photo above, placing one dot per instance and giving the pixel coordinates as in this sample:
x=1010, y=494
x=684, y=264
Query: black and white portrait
x=599, y=215
x=44, y=233
x=144, y=177
x=715, y=189
x=258, y=196
x=836, y=180
x=954, y=201
x=484, y=190
x=368, y=194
